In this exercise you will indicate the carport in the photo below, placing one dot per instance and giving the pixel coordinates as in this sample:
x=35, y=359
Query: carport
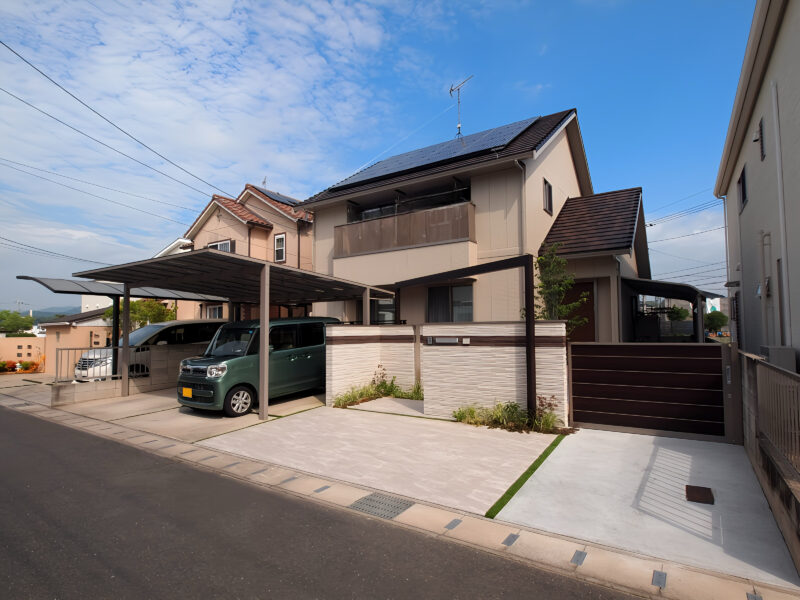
x=239, y=280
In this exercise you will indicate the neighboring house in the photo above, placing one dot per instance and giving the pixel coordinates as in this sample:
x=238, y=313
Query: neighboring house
x=82, y=330
x=759, y=180
x=491, y=195
x=21, y=348
x=259, y=223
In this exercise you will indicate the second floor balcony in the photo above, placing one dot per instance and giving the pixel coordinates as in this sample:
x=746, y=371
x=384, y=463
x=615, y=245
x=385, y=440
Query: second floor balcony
x=441, y=225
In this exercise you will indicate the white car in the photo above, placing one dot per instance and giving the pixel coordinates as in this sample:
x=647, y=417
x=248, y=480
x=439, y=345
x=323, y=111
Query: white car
x=98, y=362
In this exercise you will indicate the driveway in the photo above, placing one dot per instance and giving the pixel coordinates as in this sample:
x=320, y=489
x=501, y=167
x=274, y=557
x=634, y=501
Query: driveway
x=628, y=491
x=443, y=462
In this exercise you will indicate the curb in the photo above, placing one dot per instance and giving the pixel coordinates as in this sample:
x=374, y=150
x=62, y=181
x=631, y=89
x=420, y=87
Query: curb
x=638, y=574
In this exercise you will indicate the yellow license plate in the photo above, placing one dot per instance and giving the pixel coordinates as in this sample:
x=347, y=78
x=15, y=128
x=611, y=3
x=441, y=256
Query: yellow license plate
x=187, y=392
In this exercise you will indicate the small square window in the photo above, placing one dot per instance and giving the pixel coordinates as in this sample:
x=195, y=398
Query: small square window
x=224, y=246
x=280, y=248
x=548, y=197
x=214, y=312
x=19, y=347
x=19, y=354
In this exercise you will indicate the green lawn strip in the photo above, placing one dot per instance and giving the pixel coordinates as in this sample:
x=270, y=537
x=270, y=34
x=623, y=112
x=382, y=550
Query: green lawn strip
x=504, y=499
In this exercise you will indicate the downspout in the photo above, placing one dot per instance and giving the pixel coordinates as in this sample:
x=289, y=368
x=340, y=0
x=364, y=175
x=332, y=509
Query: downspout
x=523, y=213
x=784, y=291
x=298, y=243
x=763, y=285
x=249, y=231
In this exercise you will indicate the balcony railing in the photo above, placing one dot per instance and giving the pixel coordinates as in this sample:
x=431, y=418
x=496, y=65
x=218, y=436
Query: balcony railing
x=453, y=223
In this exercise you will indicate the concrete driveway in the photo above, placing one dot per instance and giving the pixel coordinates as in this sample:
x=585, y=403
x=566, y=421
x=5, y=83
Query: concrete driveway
x=447, y=463
x=159, y=413
x=628, y=491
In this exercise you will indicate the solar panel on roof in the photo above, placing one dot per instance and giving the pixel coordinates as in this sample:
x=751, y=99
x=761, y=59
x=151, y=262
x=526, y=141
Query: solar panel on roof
x=278, y=197
x=469, y=144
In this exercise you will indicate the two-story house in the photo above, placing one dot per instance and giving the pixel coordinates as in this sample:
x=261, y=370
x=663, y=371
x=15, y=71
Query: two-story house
x=759, y=180
x=487, y=196
x=260, y=224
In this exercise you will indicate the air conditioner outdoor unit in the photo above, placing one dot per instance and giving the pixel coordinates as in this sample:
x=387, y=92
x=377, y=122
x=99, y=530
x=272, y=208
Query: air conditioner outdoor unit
x=780, y=356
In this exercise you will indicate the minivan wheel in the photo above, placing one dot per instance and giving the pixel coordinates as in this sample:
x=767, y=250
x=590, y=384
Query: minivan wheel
x=238, y=402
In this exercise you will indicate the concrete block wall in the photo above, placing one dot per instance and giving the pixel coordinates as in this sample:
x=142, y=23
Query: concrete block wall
x=487, y=365
x=164, y=362
x=353, y=353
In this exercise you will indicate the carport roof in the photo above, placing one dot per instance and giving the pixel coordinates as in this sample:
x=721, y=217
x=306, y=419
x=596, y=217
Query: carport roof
x=103, y=288
x=234, y=277
x=664, y=289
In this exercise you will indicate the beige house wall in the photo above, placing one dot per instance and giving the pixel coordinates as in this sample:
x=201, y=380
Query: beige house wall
x=33, y=348
x=744, y=225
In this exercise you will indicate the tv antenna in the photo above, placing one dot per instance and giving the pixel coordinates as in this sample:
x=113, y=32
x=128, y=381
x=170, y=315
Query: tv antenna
x=264, y=182
x=457, y=90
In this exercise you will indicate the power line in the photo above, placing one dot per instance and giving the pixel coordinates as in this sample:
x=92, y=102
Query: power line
x=721, y=262
x=51, y=252
x=698, y=208
x=676, y=256
x=95, y=184
x=141, y=210
x=695, y=273
x=663, y=206
x=677, y=237
x=94, y=139
x=107, y=120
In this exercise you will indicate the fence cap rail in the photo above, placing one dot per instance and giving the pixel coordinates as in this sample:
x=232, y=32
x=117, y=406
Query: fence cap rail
x=763, y=362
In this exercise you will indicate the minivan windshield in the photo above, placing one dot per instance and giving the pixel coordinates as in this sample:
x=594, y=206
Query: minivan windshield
x=231, y=341
x=141, y=335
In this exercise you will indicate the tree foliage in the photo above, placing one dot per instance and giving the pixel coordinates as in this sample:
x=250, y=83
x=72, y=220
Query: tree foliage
x=716, y=320
x=554, y=283
x=677, y=313
x=13, y=322
x=144, y=312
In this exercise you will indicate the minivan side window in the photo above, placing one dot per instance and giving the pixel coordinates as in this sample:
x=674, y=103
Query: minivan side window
x=283, y=337
x=312, y=334
x=254, y=343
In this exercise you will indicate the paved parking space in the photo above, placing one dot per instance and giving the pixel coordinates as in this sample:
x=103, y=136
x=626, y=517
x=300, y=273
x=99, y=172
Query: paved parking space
x=110, y=409
x=628, y=491
x=446, y=463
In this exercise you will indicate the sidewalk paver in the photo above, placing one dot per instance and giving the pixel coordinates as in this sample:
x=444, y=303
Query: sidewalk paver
x=446, y=463
x=429, y=518
x=483, y=532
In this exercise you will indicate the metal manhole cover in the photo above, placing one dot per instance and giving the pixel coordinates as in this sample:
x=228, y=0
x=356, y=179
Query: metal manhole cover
x=381, y=505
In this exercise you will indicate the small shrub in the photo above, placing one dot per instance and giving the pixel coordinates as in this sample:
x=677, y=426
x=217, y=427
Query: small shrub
x=11, y=365
x=546, y=420
x=356, y=395
x=379, y=387
x=512, y=417
x=3, y=366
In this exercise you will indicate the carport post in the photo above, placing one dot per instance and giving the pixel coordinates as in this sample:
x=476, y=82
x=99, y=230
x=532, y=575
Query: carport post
x=126, y=326
x=365, y=319
x=263, y=346
x=530, y=336
x=231, y=312
x=115, y=335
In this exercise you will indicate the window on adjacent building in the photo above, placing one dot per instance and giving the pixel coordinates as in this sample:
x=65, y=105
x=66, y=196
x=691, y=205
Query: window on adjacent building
x=548, y=197
x=450, y=304
x=214, y=312
x=224, y=245
x=741, y=188
x=761, y=138
x=280, y=248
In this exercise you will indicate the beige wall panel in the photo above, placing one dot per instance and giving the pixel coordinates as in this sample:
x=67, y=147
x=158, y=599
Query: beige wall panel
x=325, y=219
x=498, y=296
x=554, y=164
x=496, y=197
x=390, y=267
x=414, y=305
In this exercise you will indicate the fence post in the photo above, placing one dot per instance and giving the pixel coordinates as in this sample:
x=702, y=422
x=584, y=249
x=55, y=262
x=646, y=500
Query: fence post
x=732, y=395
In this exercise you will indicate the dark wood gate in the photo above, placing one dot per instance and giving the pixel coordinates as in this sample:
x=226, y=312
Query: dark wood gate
x=668, y=387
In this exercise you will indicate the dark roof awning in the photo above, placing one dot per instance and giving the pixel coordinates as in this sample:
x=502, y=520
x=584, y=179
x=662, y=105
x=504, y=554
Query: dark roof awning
x=234, y=277
x=102, y=288
x=664, y=289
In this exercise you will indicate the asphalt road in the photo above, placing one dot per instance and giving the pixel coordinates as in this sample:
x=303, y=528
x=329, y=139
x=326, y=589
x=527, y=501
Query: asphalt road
x=84, y=517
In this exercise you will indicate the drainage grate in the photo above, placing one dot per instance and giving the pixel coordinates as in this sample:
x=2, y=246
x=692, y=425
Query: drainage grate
x=381, y=505
x=322, y=489
x=512, y=537
x=754, y=596
x=697, y=493
x=659, y=579
x=578, y=557
x=453, y=524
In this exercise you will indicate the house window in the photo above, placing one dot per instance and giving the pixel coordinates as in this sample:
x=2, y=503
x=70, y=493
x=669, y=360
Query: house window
x=548, y=197
x=214, y=312
x=761, y=138
x=19, y=347
x=741, y=187
x=280, y=248
x=450, y=304
x=224, y=245
x=19, y=354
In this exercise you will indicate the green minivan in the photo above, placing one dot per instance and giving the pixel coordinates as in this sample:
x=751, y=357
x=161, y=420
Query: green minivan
x=226, y=377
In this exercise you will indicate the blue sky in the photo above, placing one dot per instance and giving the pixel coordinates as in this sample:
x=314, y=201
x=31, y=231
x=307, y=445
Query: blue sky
x=306, y=93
